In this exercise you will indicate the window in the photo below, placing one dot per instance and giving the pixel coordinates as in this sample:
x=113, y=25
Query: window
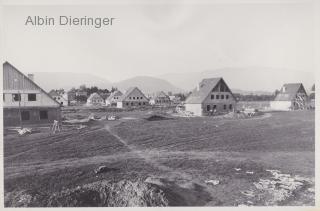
x=224, y=107
x=134, y=98
x=222, y=96
x=130, y=98
x=214, y=107
x=227, y=96
x=141, y=98
x=208, y=107
x=144, y=103
x=212, y=97
x=25, y=115
x=139, y=103
x=132, y=103
x=4, y=97
x=43, y=114
x=32, y=97
x=217, y=97
x=16, y=97
x=230, y=106
x=127, y=104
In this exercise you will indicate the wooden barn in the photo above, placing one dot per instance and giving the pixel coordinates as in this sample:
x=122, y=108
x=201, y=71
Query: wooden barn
x=133, y=97
x=24, y=102
x=113, y=98
x=292, y=96
x=160, y=98
x=211, y=96
x=95, y=100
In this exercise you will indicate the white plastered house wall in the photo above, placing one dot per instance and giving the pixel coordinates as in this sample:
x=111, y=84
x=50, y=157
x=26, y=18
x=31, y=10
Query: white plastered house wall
x=280, y=105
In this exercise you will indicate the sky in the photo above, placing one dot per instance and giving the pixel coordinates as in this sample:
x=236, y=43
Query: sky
x=154, y=39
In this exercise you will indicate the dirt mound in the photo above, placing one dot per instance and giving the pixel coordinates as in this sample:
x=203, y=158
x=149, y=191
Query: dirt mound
x=157, y=118
x=99, y=194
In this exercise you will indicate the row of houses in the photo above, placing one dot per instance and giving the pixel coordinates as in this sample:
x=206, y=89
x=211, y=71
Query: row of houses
x=25, y=102
x=133, y=97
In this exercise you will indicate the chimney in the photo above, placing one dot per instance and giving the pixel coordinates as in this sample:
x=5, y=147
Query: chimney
x=31, y=77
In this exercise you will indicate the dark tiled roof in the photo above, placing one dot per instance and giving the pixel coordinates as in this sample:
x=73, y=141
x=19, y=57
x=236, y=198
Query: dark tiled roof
x=113, y=94
x=205, y=87
x=94, y=95
x=129, y=91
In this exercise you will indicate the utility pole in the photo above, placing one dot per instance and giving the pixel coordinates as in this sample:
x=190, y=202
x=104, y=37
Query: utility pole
x=19, y=98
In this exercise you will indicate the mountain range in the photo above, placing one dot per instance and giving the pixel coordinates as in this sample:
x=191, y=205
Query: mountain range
x=68, y=80
x=255, y=80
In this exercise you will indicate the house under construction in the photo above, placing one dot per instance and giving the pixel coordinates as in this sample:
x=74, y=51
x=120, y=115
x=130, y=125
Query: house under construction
x=292, y=96
x=24, y=102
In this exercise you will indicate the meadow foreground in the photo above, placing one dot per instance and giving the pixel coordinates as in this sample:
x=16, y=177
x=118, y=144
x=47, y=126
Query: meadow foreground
x=168, y=161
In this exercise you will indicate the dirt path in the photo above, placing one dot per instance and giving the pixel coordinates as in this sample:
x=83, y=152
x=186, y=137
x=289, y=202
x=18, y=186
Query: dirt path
x=150, y=159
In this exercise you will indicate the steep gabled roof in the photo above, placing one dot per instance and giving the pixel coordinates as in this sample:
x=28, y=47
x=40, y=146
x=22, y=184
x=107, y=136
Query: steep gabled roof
x=160, y=94
x=116, y=93
x=205, y=88
x=94, y=95
x=30, y=81
x=288, y=91
x=129, y=91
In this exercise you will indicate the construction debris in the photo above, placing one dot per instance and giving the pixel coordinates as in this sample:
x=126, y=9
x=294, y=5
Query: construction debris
x=101, y=169
x=212, y=182
x=24, y=131
x=112, y=117
x=248, y=193
x=279, y=186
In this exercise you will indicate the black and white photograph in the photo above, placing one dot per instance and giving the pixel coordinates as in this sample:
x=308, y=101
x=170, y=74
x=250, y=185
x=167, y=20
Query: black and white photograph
x=159, y=103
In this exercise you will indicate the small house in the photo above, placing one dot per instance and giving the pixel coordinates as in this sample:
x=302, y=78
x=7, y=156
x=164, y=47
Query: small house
x=61, y=98
x=113, y=98
x=211, y=96
x=161, y=99
x=95, y=100
x=292, y=96
x=133, y=97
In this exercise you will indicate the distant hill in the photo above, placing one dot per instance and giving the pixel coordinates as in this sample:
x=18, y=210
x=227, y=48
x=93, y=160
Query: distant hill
x=147, y=84
x=58, y=80
x=249, y=79
x=67, y=80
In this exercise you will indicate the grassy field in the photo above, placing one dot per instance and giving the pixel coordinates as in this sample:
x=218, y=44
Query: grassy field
x=179, y=155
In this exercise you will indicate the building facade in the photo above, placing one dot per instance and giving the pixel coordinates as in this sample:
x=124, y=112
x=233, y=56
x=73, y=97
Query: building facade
x=133, y=97
x=113, y=98
x=212, y=96
x=24, y=102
